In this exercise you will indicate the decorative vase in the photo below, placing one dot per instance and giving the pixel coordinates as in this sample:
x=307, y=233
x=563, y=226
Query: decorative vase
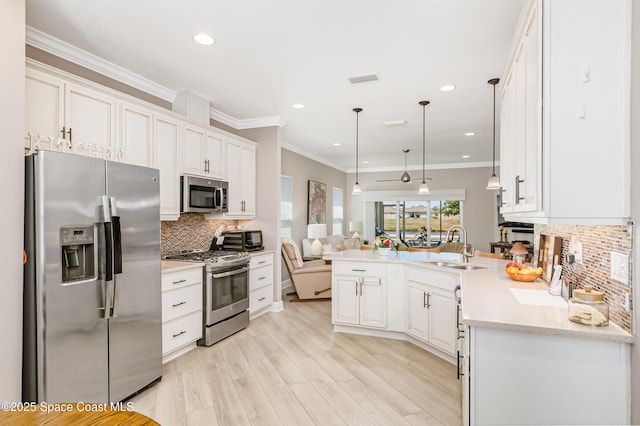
x=384, y=251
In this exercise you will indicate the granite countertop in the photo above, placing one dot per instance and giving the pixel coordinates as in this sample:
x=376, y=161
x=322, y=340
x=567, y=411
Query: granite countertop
x=490, y=297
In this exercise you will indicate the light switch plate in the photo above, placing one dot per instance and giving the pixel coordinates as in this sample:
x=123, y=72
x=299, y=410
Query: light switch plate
x=620, y=267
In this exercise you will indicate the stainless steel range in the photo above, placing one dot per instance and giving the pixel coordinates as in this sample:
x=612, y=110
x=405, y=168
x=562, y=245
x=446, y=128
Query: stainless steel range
x=225, y=293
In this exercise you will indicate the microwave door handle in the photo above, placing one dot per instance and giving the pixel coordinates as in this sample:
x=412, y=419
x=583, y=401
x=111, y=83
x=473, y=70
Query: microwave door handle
x=218, y=200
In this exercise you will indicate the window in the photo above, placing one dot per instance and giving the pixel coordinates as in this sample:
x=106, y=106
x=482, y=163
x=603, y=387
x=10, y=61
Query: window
x=286, y=206
x=338, y=213
x=404, y=220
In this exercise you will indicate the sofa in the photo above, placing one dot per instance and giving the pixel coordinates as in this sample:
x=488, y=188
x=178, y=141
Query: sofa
x=311, y=279
x=331, y=244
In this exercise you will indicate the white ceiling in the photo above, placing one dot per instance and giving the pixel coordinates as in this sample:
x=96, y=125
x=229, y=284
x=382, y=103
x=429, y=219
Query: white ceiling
x=269, y=55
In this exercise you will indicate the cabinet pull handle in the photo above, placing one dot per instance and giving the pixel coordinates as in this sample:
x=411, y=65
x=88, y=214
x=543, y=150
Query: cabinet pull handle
x=359, y=270
x=178, y=304
x=518, y=182
x=261, y=262
x=261, y=278
x=70, y=136
x=206, y=166
x=500, y=193
x=424, y=299
x=262, y=298
x=428, y=300
x=63, y=131
x=179, y=334
x=179, y=281
x=459, y=372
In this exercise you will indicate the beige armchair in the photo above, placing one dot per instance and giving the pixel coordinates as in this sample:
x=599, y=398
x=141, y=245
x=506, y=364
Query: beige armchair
x=311, y=280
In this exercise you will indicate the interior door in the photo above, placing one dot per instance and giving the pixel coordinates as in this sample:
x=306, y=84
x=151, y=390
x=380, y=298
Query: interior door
x=135, y=334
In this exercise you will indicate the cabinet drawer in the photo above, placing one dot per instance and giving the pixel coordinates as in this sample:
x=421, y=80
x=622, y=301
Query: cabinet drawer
x=260, y=298
x=181, y=331
x=260, y=277
x=172, y=280
x=360, y=269
x=181, y=301
x=261, y=260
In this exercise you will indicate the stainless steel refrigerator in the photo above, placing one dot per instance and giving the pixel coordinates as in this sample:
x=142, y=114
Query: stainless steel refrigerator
x=92, y=302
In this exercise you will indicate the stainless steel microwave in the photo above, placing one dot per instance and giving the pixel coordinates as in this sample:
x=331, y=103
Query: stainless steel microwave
x=202, y=195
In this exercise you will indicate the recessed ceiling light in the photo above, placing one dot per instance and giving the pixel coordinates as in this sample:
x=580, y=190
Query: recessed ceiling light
x=203, y=39
x=470, y=134
x=336, y=144
x=465, y=156
x=447, y=88
x=298, y=106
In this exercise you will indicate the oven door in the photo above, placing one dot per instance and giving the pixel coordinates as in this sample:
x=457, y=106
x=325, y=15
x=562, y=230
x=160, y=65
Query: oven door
x=226, y=293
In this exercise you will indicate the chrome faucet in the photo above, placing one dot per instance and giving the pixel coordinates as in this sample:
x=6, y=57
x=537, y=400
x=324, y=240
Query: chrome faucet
x=466, y=254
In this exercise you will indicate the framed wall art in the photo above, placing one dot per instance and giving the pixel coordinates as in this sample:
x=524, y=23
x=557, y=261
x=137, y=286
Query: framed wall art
x=317, y=202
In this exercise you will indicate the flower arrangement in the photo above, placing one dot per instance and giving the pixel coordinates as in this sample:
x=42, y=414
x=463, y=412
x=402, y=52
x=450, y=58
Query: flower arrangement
x=422, y=235
x=384, y=242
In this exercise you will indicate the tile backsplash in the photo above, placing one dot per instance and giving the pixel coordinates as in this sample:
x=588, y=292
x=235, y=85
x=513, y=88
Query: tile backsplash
x=191, y=232
x=597, y=243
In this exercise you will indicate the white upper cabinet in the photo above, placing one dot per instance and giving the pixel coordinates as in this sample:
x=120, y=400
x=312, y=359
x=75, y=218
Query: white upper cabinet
x=61, y=116
x=203, y=153
x=241, y=173
x=564, y=131
x=167, y=159
x=136, y=134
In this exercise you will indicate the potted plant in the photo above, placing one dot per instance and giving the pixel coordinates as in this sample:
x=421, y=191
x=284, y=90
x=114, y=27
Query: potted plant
x=384, y=245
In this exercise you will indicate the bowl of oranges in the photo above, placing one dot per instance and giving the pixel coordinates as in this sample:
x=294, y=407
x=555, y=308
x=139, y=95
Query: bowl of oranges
x=523, y=272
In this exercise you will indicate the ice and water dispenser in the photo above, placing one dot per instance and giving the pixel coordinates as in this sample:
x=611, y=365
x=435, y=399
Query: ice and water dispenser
x=79, y=253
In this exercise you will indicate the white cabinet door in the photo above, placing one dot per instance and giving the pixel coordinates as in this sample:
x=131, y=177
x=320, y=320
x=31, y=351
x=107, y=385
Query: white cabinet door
x=346, y=301
x=167, y=153
x=90, y=119
x=194, y=151
x=241, y=175
x=373, y=302
x=441, y=305
x=44, y=113
x=416, y=311
x=136, y=133
x=214, y=155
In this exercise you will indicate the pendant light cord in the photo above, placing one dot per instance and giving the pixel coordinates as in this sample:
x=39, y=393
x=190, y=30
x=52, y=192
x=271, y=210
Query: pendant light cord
x=494, y=130
x=424, y=107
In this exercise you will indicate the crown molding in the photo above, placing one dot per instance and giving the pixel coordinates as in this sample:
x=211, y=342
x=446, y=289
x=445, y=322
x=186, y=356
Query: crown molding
x=66, y=51
x=299, y=151
x=249, y=123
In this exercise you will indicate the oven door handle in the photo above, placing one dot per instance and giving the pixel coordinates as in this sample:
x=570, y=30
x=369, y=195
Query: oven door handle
x=230, y=273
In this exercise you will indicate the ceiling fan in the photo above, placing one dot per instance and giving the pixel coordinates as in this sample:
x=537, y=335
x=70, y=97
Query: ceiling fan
x=405, y=178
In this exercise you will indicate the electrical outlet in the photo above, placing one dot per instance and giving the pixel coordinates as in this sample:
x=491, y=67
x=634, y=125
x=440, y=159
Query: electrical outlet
x=620, y=267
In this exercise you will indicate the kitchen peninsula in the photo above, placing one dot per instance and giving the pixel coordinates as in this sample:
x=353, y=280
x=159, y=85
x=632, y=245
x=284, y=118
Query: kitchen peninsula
x=520, y=358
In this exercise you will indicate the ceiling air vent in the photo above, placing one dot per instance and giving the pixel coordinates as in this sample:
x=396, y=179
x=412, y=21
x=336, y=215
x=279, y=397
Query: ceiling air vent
x=363, y=78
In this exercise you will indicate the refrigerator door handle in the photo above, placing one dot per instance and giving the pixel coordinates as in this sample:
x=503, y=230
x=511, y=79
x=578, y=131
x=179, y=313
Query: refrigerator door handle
x=108, y=242
x=117, y=254
x=106, y=300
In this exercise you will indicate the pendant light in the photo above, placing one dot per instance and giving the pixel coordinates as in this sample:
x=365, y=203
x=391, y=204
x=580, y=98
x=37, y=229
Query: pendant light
x=356, y=187
x=494, y=181
x=424, y=188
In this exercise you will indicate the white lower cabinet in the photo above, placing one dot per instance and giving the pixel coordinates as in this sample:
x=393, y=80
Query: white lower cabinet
x=359, y=294
x=431, y=309
x=181, y=311
x=521, y=377
x=260, y=283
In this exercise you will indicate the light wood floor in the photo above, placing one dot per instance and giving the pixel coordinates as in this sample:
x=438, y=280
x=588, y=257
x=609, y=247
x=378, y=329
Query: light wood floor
x=290, y=368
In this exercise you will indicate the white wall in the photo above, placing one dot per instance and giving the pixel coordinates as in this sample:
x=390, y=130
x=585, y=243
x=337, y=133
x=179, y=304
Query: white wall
x=12, y=28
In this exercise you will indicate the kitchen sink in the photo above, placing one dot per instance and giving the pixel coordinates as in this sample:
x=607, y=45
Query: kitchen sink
x=451, y=265
x=464, y=267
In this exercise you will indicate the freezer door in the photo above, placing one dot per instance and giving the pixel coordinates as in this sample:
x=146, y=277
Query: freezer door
x=70, y=332
x=135, y=327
